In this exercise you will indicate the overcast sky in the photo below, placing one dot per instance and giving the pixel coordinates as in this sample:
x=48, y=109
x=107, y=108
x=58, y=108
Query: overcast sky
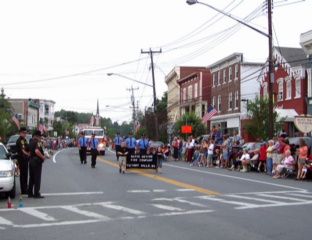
x=63, y=50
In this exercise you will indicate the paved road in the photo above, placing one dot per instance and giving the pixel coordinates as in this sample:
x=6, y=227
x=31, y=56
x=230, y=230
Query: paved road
x=182, y=203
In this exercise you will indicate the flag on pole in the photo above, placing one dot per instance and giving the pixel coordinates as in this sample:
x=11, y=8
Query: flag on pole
x=40, y=128
x=44, y=129
x=209, y=114
x=91, y=120
x=15, y=119
x=138, y=125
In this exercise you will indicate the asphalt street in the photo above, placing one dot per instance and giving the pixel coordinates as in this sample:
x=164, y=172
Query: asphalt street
x=183, y=202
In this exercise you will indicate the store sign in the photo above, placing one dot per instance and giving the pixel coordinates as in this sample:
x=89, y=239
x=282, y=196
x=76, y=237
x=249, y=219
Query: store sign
x=303, y=123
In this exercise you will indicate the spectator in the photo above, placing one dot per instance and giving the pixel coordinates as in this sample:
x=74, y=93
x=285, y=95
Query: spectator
x=288, y=162
x=175, y=145
x=225, y=152
x=283, y=134
x=303, y=153
x=180, y=149
x=244, y=160
x=280, y=150
x=219, y=137
x=204, y=152
x=262, y=157
x=210, y=153
x=269, y=155
x=276, y=145
x=236, y=140
x=254, y=160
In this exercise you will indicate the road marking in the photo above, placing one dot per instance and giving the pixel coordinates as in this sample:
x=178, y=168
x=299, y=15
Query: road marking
x=184, y=190
x=56, y=154
x=3, y=221
x=167, y=180
x=71, y=193
x=283, y=204
x=159, y=190
x=253, y=198
x=138, y=191
x=36, y=213
x=280, y=197
x=121, y=208
x=166, y=207
x=183, y=213
x=233, y=177
x=85, y=213
x=299, y=195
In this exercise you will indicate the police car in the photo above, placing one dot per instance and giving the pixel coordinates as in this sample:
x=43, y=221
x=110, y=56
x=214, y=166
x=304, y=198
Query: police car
x=7, y=173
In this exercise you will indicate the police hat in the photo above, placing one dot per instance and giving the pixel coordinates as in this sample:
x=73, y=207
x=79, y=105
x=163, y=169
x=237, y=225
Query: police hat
x=37, y=133
x=93, y=134
x=23, y=129
x=130, y=133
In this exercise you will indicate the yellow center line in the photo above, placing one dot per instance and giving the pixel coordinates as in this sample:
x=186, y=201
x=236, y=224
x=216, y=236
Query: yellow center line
x=167, y=180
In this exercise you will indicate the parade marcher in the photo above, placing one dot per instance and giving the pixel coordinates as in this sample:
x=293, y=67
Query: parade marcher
x=117, y=142
x=131, y=144
x=94, y=143
x=35, y=165
x=143, y=145
x=122, y=153
x=82, y=145
x=23, y=154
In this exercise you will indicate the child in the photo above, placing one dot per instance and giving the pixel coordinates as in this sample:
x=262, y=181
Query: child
x=196, y=161
x=17, y=171
x=218, y=158
x=159, y=155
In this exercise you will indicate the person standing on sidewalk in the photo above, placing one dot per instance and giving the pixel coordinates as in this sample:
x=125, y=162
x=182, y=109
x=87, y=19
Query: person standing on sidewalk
x=94, y=143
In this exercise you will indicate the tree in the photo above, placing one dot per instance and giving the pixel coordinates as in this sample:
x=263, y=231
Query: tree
x=193, y=120
x=257, y=124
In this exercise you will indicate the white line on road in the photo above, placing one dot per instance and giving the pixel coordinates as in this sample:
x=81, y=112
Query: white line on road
x=185, y=190
x=281, y=197
x=36, y=213
x=275, y=205
x=117, y=207
x=139, y=191
x=56, y=154
x=71, y=193
x=166, y=207
x=233, y=177
x=3, y=221
x=85, y=213
x=253, y=198
x=183, y=213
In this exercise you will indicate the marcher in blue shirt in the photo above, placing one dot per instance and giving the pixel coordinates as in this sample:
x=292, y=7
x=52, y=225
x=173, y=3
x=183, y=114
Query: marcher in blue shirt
x=131, y=144
x=143, y=145
x=82, y=145
x=94, y=149
x=117, y=141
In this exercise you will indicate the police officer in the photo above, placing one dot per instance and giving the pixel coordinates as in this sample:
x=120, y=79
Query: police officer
x=22, y=158
x=94, y=149
x=143, y=145
x=131, y=144
x=35, y=165
x=117, y=141
x=82, y=145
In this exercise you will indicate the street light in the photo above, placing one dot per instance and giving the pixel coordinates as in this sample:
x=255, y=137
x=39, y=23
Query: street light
x=269, y=36
x=154, y=94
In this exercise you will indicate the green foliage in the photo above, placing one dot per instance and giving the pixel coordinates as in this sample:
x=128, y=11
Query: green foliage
x=198, y=128
x=258, y=119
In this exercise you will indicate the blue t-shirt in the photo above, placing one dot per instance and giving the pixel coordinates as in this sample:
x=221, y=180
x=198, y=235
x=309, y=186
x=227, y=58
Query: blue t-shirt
x=143, y=144
x=131, y=143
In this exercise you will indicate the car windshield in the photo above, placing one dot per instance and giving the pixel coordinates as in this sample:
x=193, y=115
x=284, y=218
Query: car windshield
x=13, y=139
x=28, y=137
x=3, y=153
x=88, y=132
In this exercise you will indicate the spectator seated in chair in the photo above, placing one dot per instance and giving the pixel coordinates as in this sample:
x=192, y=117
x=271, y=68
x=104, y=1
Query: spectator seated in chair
x=244, y=161
x=254, y=160
x=289, y=162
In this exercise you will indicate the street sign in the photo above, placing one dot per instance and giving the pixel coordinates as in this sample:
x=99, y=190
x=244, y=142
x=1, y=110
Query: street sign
x=186, y=129
x=170, y=128
x=303, y=123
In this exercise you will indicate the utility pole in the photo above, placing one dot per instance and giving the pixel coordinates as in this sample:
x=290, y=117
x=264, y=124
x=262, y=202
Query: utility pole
x=271, y=73
x=154, y=89
x=133, y=104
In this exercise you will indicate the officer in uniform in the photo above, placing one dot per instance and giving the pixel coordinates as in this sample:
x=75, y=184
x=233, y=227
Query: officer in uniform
x=94, y=149
x=22, y=158
x=35, y=165
x=131, y=144
x=117, y=141
x=143, y=145
x=82, y=145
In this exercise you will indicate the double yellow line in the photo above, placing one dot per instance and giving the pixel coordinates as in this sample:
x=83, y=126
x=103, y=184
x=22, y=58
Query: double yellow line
x=156, y=177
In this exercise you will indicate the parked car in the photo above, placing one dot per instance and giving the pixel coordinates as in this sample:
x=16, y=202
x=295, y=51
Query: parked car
x=237, y=150
x=155, y=145
x=11, y=145
x=7, y=173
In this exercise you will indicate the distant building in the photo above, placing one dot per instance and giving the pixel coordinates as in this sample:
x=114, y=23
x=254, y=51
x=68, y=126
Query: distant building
x=46, y=113
x=97, y=118
x=233, y=81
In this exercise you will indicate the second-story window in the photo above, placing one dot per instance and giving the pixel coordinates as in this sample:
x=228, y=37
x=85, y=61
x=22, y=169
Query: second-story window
x=236, y=99
x=214, y=102
x=298, y=88
x=265, y=90
x=224, y=76
x=280, y=96
x=236, y=71
x=288, y=89
x=184, y=94
x=230, y=101
x=219, y=103
x=189, y=93
x=213, y=79
x=196, y=90
x=219, y=78
x=230, y=74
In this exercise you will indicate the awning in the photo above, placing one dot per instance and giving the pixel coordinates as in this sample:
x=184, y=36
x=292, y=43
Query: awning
x=289, y=114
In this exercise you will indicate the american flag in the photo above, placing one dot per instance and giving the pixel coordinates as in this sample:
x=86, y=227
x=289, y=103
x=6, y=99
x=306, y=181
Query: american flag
x=44, y=128
x=91, y=120
x=40, y=128
x=275, y=107
x=209, y=114
x=15, y=119
x=138, y=125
